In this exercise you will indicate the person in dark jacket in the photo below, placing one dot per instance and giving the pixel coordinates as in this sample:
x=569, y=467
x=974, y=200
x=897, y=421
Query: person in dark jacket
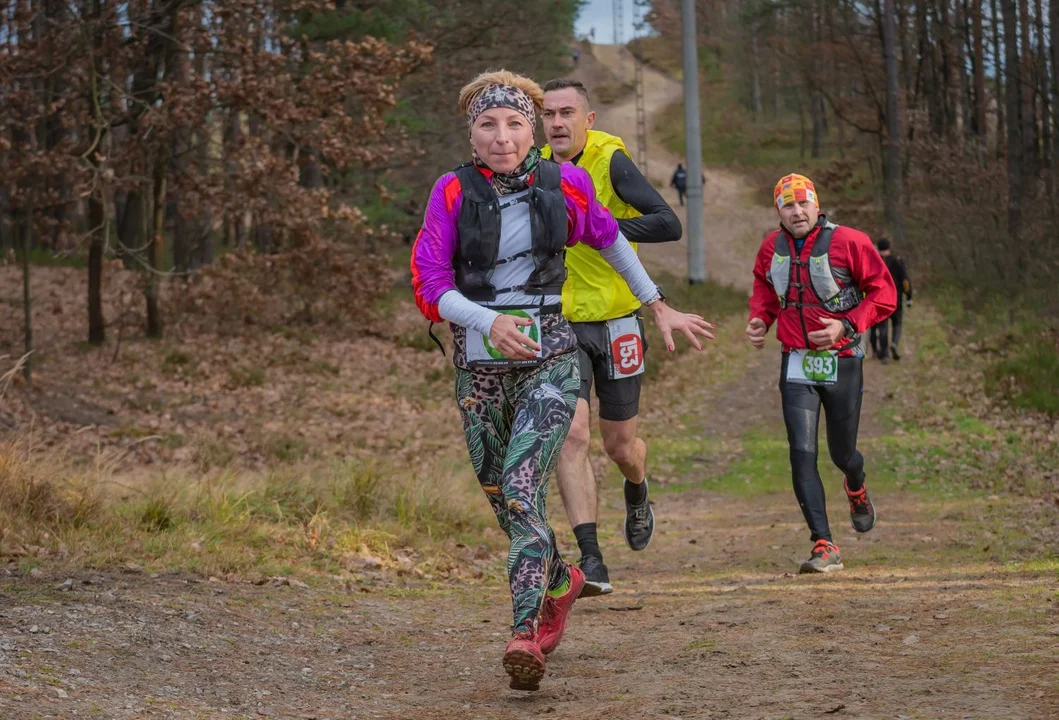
x=680, y=182
x=884, y=344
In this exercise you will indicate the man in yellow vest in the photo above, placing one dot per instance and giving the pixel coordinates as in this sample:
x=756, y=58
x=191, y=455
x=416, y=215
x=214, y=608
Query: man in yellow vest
x=606, y=317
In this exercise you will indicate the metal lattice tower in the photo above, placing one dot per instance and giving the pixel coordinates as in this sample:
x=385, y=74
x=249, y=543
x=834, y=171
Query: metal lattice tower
x=640, y=25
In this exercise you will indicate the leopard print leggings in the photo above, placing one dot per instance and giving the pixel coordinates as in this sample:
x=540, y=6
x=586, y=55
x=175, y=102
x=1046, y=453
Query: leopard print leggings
x=515, y=423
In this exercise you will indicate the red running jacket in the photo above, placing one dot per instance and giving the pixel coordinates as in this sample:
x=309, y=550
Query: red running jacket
x=851, y=250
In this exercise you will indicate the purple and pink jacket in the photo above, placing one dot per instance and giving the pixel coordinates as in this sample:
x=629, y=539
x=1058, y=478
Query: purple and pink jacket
x=432, y=273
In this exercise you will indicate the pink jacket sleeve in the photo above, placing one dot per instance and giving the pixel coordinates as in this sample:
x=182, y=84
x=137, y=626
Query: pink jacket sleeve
x=588, y=221
x=435, y=246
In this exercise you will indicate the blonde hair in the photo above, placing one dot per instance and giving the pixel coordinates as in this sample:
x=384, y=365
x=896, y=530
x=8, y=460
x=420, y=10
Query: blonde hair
x=476, y=87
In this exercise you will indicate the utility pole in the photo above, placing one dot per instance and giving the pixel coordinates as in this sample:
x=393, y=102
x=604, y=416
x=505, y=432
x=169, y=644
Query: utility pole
x=619, y=36
x=641, y=108
x=693, y=143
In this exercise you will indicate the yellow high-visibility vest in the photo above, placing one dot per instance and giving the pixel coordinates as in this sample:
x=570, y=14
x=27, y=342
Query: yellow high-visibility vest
x=593, y=291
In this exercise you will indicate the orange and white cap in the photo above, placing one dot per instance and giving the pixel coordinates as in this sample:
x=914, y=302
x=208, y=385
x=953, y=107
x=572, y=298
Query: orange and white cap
x=795, y=188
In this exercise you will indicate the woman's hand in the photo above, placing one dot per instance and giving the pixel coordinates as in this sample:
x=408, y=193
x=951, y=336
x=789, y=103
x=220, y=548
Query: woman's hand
x=508, y=339
x=689, y=325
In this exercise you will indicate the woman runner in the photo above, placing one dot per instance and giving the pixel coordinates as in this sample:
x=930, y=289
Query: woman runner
x=490, y=260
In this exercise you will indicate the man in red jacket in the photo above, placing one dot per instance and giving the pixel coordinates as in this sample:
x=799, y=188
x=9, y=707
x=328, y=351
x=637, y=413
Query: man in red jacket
x=823, y=285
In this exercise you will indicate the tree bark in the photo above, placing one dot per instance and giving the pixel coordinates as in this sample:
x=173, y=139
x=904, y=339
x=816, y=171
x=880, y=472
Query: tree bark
x=892, y=166
x=97, y=210
x=1030, y=157
x=1041, y=66
x=27, y=242
x=978, y=57
x=817, y=111
x=1053, y=23
x=97, y=219
x=755, y=72
x=1013, y=81
x=959, y=59
x=948, y=90
x=1001, y=102
x=154, y=247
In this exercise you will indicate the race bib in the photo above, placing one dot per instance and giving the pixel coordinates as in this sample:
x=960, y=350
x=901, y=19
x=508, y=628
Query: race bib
x=481, y=353
x=813, y=367
x=626, y=347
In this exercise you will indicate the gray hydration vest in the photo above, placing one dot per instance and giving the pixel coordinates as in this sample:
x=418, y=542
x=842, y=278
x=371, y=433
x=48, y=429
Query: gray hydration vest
x=478, y=228
x=824, y=279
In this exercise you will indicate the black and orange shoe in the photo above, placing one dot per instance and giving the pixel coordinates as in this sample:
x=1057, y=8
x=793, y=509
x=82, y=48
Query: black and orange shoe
x=861, y=509
x=524, y=661
x=825, y=558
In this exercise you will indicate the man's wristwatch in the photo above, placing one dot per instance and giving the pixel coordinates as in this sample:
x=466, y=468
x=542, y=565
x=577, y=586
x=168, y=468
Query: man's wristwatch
x=847, y=326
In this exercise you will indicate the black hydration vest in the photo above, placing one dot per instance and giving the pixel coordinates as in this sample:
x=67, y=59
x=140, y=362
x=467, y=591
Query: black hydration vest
x=478, y=234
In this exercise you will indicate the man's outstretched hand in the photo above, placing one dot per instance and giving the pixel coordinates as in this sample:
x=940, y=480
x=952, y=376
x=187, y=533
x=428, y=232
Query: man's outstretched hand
x=669, y=320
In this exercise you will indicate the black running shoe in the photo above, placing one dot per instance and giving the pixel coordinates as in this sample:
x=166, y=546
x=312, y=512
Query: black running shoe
x=639, y=522
x=597, y=581
x=861, y=508
x=894, y=353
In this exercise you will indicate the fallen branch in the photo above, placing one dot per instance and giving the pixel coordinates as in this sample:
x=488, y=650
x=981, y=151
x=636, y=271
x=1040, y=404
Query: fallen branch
x=7, y=377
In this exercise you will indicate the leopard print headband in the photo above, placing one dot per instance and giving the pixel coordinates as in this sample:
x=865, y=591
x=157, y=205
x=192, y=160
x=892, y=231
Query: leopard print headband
x=505, y=96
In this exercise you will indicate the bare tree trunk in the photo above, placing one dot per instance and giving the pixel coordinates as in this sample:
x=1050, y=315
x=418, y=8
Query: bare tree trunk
x=154, y=247
x=892, y=166
x=1030, y=155
x=817, y=111
x=755, y=72
x=1041, y=66
x=1053, y=24
x=907, y=61
x=963, y=42
x=978, y=57
x=947, y=90
x=801, y=124
x=97, y=219
x=27, y=242
x=1001, y=103
x=97, y=209
x=1013, y=77
x=933, y=85
x=777, y=97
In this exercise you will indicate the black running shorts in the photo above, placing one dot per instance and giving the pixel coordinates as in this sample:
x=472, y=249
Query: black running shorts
x=618, y=399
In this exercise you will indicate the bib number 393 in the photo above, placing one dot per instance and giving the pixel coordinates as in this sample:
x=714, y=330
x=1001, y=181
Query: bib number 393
x=626, y=347
x=813, y=367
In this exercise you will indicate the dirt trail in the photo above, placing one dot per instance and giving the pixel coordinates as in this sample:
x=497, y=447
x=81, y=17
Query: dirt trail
x=929, y=620
x=734, y=223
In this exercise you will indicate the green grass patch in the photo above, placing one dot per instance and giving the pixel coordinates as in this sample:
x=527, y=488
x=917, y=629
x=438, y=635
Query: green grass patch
x=1028, y=377
x=1016, y=347
x=42, y=257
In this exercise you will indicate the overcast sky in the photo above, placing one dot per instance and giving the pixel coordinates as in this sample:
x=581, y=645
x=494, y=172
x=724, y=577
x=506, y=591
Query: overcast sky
x=599, y=14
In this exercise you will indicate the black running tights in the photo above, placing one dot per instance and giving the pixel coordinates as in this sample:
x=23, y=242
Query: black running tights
x=801, y=414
